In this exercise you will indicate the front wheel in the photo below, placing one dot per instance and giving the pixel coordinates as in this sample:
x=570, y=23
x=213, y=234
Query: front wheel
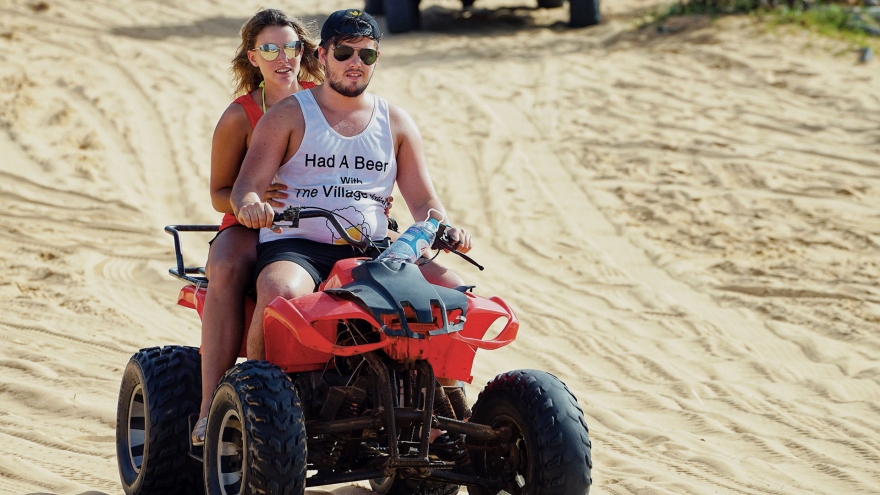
x=255, y=441
x=549, y=449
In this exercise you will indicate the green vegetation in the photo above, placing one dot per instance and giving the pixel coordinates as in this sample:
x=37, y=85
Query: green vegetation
x=715, y=7
x=829, y=18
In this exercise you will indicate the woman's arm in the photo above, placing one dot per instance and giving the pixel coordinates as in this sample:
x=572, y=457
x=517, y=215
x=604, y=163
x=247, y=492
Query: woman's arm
x=228, y=148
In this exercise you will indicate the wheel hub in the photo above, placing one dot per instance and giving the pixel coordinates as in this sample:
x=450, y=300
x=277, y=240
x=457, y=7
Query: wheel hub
x=136, y=428
x=230, y=453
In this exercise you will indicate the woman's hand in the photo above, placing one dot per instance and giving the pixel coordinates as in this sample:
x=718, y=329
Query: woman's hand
x=275, y=193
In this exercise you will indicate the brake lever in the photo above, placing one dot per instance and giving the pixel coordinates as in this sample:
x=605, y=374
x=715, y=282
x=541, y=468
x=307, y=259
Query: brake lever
x=442, y=242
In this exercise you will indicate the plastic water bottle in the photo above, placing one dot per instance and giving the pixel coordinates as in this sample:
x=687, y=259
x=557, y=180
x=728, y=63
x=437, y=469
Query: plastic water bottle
x=412, y=243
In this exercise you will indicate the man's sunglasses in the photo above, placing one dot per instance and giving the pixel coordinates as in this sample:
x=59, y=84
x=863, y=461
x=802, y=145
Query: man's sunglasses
x=344, y=52
x=270, y=51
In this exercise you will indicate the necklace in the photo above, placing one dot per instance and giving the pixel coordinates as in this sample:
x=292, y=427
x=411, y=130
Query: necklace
x=263, y=92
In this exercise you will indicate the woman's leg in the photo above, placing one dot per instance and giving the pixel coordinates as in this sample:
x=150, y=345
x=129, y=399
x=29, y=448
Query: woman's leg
x=230, y=272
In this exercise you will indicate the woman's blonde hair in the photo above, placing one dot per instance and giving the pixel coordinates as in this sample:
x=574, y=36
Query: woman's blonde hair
x=247, y=77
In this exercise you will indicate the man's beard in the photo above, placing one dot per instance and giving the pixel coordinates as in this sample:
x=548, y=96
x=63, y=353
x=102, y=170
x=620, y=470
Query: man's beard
x=350, y=92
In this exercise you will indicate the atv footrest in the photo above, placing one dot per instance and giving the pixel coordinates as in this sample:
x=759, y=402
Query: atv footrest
x=412, y=462
x=464, y=479
x=197, y=452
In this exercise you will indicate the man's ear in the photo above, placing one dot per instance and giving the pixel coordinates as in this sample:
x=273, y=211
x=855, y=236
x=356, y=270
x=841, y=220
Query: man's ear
x=321, y=55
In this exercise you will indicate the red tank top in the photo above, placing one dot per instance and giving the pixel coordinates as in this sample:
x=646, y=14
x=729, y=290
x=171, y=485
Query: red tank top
x=254, y=112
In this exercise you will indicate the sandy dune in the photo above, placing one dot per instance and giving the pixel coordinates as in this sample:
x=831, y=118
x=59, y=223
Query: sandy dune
x=686, y=222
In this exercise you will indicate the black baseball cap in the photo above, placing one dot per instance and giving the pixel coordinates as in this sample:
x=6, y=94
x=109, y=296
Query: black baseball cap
x=350, y=22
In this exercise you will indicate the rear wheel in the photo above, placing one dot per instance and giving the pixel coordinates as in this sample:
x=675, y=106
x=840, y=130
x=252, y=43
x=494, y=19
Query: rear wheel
x=374, y=7
x=584, y=13
x=549, y=450
x=401, y=15
x=256, y=438
x=160, y=389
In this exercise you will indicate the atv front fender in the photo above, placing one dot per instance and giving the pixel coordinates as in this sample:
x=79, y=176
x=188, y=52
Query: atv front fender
x=298, y=316
x=484, y=311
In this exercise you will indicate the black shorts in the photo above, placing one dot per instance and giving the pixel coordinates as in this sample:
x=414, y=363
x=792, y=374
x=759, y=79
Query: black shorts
x=316, y=258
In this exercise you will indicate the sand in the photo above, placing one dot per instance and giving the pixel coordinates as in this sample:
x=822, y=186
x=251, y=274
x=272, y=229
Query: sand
x=686, y=223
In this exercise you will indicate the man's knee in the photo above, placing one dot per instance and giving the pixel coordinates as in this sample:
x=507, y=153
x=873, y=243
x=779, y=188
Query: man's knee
x=285, y=279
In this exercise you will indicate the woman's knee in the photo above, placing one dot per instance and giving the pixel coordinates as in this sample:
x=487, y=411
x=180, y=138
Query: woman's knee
x=232, y=255
x=231, y=265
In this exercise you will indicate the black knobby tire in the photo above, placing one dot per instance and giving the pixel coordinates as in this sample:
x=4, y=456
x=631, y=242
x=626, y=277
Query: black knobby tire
x=161, y=388
x=584, y=13
x=550, y=4
x=401, y=16
x=550, y=443
x=256, y=437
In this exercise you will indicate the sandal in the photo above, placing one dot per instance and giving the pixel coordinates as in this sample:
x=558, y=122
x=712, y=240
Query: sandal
x=198, y=433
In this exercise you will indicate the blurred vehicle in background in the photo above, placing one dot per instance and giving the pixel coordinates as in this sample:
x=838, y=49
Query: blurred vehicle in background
x=403, y=15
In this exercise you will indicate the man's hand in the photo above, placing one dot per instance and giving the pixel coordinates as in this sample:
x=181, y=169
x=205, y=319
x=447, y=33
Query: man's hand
x=274, y=193
x=461, y=239
x=256, y=215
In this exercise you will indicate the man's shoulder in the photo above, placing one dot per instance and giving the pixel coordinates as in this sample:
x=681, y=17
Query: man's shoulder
x=287, y=107
x=400, y=119
x=392, y=107
x=290, y=101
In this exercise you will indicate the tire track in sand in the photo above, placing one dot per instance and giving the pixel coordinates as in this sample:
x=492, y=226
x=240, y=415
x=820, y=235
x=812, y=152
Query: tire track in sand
x=550, y=176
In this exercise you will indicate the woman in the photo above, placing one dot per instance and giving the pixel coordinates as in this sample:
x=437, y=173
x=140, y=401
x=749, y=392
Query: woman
x=275, y=59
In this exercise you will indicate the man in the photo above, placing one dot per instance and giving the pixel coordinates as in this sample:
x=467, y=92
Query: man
x=336, y=147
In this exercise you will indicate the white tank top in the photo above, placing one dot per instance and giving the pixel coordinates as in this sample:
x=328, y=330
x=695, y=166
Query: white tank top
x=351, y=176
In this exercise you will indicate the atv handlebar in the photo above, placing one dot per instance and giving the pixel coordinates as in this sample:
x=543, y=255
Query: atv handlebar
x=294, y=214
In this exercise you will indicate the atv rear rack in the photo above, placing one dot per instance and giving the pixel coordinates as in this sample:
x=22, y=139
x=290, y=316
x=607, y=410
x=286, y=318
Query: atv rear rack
x=183, y=272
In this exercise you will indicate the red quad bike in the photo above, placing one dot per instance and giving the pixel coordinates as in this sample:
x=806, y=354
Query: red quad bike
x=349, y=391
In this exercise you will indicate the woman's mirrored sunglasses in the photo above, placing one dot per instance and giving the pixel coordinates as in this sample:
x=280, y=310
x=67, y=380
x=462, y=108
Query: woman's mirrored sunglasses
x=270, y=51
x=344, y=52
